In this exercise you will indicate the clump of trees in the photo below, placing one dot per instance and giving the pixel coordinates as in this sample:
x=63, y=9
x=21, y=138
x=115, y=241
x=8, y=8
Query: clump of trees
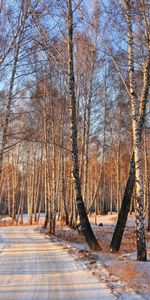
x=74, y=113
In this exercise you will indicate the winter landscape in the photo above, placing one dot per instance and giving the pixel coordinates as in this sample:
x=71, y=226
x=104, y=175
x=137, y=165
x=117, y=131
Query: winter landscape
x=74, y=149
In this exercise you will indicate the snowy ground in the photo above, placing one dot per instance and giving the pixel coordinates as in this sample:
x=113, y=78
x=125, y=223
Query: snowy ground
x=127, y=278
x=121, y=273
x=35, y=267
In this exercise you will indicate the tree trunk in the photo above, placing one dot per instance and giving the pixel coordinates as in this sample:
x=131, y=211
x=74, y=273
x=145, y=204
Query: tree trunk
x=85, y=225
x=118, y=176
x=111, y=195
x=54, y=208
x=45, y=166
x=125, y=208
x=146, y=181
x=136, y=131
x=126, y=201
x=147, y=194
x=139, y=209
x=30, y=197
x=63, y=188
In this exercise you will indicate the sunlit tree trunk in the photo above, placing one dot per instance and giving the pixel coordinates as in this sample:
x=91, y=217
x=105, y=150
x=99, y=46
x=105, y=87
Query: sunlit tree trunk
x=146, y=179
x=45, y=165
x=29, y=197
x=22, y=202
x=118, y=176
x=37, y=183
x=136, y=132
x=29, y=181
x=63, y=184
x=126, y=201
x=54, y=180
x=15, y=160
x=85, y=225
x=111, y=195
x=41, y=191
x=14, y=187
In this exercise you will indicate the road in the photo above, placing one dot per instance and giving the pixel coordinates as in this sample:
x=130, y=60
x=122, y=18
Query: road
x=34, y=267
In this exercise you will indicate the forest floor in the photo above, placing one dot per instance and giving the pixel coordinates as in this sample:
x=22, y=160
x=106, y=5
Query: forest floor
x=119, y=274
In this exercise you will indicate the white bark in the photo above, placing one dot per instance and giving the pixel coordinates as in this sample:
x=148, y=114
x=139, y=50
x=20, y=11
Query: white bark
x=141, y=242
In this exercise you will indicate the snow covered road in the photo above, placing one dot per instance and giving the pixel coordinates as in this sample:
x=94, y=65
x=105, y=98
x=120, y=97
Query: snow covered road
x=34, y=267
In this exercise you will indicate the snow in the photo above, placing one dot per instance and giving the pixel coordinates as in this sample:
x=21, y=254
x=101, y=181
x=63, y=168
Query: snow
x=36, y=267
x=126, y=277
x=119, y=273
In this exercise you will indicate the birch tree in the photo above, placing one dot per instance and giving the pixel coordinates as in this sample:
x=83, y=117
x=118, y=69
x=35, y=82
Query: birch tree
x=126, y=201
x=85, y=225
x=141, y=242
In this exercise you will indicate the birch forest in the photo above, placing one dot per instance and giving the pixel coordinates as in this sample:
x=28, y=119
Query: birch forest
x=74, y=115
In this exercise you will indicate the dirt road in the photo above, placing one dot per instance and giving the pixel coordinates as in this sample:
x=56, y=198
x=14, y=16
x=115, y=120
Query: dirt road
x=33, y=267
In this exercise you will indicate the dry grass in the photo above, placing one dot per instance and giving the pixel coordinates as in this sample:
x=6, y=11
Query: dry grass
x=103, y=234
x=69, y=234
x=126, y=272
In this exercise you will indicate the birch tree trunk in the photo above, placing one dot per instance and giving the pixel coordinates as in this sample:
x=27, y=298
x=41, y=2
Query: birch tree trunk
x=146, y=179
x=126, y=201
x=15, y=161
x=118, y=176
x=140, y=232
x=22, y=199
x=14, y=186
x=41, y=191
x=85, y=225
x=45, y=164
x=30, y=196
x=54, y=213
x=146, y=182
x=63, y=185
x=111, y=195
x=136, y=132
x=36, y=193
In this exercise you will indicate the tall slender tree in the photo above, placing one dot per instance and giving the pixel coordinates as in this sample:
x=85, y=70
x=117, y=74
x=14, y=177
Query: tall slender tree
x=85, y=225
x=126, y=201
